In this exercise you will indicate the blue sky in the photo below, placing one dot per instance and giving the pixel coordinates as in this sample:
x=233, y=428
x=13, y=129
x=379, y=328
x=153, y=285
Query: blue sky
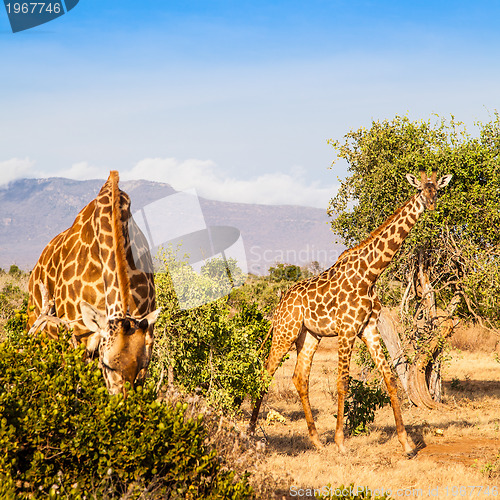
x=236, y=99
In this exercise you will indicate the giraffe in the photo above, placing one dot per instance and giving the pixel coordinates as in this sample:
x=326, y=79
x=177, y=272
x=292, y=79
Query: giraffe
x=341, y=301
x=97, y=287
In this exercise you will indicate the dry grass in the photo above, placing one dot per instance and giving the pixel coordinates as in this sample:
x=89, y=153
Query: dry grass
x=459, y=445
x=11, y=300
x=472, y=337
x=20, y=281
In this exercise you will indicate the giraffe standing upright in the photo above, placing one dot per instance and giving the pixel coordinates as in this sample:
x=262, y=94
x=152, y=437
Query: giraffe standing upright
x=97, y=286
x=341, y=301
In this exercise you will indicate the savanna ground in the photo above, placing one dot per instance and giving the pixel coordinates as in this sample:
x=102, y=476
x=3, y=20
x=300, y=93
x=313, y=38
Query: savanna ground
x=458, y=446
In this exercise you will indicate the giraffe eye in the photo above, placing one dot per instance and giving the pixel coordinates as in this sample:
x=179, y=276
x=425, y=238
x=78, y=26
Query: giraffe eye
x=143, y=325
x=107, y=367
x=126, y=325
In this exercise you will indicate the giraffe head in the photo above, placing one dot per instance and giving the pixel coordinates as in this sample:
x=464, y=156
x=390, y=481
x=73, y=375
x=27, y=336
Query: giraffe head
x=428, y=187
x=124, y=346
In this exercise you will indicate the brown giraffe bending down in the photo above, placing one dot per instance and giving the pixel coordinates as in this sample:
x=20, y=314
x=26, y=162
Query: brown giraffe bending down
x=341, y=301
x=90, y=275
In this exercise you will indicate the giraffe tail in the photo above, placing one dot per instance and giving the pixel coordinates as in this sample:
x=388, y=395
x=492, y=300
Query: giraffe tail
x=265, y=340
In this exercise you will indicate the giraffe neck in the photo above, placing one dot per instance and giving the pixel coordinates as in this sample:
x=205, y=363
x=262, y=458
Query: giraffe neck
x=379, y=248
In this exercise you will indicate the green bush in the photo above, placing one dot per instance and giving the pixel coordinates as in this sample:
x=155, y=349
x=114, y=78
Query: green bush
x=260, y=292
x=213, y=347
x=360, y=405
x=61, y=434
x=190, y=289
x=15, y=271
x=11, y=298
x=15, y=327
x=287, y=272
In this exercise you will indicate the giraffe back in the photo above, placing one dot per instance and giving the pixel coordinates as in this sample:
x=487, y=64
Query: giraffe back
x=324, y=303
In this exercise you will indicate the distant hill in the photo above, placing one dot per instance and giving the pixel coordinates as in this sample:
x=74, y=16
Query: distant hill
x=33, y=211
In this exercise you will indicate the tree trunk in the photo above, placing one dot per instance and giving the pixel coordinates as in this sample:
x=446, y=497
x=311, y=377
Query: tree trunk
x=421, y=380
x=432, y=368
x=413, y=383
x=422, y=373
x=390, y=336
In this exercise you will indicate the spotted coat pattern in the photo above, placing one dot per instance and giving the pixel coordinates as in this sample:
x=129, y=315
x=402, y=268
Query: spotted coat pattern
x=92, y=262
x=341, y=301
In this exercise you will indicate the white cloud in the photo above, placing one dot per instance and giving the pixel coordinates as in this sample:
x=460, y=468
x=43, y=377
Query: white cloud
x=179, y=174
x=205, y=177
x=15, y=168
x=82, y=171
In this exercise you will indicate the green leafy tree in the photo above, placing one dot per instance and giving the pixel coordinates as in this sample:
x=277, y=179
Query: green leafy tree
x=223, y=270
x=453, y=252
x=15, y=271
x=286, y=272
x=213, y=347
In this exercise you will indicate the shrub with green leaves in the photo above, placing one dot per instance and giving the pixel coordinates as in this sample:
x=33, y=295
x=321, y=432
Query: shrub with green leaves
x=361, y=404
x=61, y=433
x=15, y=271
x=287, y=272
x=15, y=327
x=213, y=347
x=260, y=292
x=11, y=298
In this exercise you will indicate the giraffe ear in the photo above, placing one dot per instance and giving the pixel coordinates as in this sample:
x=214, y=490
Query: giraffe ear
x=149, y=321
x=93, y=319
x=93, y=342
x=413, y=181
x=152, y=317
x=444, y=181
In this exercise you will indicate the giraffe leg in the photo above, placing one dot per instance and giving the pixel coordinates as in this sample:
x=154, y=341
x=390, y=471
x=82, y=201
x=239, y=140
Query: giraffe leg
x=371, y=338
x=307, y=343
x=346, y=343
x=279, y=348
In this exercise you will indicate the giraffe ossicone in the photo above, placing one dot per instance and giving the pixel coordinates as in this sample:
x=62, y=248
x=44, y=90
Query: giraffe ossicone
x=341, y=301
x=97, y=287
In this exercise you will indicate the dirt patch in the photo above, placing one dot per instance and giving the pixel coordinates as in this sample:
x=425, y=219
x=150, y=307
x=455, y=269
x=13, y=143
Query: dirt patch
x=467, y=451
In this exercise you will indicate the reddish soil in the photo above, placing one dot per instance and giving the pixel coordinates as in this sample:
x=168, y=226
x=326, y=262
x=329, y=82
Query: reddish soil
x=467, y=451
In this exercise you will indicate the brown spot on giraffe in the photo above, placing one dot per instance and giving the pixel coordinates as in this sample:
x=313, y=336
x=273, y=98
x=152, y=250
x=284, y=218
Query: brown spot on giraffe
x=87, y=271
x=299, y=317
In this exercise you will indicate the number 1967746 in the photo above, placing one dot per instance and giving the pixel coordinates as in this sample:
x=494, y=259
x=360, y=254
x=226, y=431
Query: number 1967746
x=33, y=8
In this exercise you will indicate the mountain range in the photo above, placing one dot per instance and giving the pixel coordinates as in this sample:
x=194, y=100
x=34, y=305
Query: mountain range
x=33, y=211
